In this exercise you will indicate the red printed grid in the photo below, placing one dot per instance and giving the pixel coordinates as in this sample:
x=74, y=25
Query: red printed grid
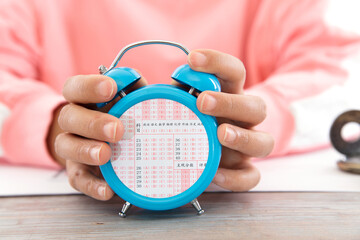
x=164, y=149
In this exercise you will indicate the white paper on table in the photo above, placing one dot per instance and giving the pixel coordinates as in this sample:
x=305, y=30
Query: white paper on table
x=19, y=181
x=316, y=171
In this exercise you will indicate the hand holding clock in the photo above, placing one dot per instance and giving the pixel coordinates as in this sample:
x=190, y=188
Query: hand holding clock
x=237, y=114
x=78, y=134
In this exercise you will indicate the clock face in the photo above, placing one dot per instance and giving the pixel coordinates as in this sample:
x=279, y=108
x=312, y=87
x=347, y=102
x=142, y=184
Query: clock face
x=164, y=149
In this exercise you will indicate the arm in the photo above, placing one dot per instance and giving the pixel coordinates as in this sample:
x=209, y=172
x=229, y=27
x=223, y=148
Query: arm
x=31, y=102
x=292, y=54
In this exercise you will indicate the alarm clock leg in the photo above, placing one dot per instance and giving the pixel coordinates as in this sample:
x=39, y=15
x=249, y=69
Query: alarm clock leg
x=124, y=209
x=197, y=206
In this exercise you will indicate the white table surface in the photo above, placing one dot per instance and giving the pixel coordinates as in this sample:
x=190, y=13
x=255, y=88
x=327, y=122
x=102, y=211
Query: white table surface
x=315, y=171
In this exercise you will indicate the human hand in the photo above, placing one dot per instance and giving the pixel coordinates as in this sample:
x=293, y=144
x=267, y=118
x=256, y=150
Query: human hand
x=82, y=144
x=80, y=133
x=237, y=115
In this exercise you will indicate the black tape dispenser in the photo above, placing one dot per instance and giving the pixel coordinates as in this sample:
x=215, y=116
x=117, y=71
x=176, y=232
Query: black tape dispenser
x=351, y=149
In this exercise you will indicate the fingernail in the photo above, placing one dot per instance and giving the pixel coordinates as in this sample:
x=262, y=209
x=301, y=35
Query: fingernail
x=105, y=89
x=219, y=178
x=197, y=59
x=95, y=153
x=230, y=135
x=208, y=103
x=101, y=191
x=110, y=130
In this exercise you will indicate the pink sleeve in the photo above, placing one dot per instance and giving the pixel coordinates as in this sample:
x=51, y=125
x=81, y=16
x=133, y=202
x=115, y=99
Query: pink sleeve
x=293, y=54
x=31, y=102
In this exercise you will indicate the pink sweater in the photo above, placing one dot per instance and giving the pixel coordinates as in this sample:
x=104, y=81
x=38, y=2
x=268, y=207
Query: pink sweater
x=288, y=51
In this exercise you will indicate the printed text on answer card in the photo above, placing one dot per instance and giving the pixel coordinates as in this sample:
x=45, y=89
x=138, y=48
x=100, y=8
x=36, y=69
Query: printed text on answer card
x=164, y=149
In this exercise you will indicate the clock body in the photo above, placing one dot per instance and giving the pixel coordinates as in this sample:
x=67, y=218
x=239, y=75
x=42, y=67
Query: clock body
x=169, y=152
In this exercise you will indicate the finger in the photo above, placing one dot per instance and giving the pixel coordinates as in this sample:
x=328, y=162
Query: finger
x=90, y=123
x=229, y=69
x=238, y=180
x=82, y=150
x=232, y=159
x=89, y=89
x=244, y=108
x=249, y=142
x=81, y=178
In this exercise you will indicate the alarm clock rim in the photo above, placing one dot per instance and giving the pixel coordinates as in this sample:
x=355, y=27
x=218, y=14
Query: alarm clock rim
x=174, y=93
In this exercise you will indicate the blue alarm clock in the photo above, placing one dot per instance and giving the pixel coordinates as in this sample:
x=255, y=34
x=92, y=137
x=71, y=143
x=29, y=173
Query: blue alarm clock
x=169, y=152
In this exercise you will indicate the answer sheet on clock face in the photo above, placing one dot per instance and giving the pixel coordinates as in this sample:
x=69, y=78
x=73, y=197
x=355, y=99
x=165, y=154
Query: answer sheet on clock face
x=164, y=149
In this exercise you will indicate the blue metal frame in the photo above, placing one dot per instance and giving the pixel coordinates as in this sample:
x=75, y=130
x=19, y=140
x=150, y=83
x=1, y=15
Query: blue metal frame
x=170, y=92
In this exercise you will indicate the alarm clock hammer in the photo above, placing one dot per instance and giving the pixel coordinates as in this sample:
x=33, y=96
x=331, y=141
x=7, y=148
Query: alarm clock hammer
x=170, y=152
